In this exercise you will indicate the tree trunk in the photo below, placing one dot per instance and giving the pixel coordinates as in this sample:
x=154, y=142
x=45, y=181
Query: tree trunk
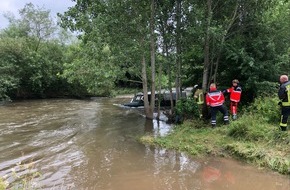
x=148, y=113
x=178, y=50
x=206, y=67
x=152, y=50
x=165, y=31
x=159, y=89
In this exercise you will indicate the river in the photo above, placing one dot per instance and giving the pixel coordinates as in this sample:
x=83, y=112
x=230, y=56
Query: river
x=92, y=145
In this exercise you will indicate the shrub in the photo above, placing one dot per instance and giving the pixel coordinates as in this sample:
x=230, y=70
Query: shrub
x=267, y=108
x=266, y=88
x=186, y=108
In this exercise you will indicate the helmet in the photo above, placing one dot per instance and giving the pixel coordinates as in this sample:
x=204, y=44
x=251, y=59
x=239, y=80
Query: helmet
x=235, y=81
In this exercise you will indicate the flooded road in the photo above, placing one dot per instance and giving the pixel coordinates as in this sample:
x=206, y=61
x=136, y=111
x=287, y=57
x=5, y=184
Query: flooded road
x=92, y=144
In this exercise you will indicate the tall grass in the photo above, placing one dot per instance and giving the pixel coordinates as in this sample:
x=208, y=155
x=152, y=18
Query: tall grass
x=255, y=137
x=23, y=177
x=3, y=183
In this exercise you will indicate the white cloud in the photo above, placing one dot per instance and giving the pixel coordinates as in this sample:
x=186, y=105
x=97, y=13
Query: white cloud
x=5, y=5
x=14, y=6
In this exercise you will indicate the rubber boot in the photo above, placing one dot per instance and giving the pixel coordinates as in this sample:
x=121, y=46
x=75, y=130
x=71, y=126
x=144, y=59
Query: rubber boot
x=283, y=128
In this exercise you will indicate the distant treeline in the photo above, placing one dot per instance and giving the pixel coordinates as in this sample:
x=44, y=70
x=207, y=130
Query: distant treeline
x=186, y=42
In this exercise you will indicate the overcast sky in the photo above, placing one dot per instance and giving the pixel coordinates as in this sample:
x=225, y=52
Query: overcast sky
x=14, y=6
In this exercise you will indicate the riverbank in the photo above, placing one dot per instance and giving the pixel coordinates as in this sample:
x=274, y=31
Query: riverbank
x=252, y=138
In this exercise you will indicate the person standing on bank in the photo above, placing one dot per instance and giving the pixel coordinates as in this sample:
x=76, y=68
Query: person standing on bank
x=215, y=99
x=235, y=96
x=284, y=96
x=199, y=98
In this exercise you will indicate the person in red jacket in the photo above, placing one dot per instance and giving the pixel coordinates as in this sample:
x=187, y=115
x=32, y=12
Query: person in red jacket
x=235, y=96
x=215, y=99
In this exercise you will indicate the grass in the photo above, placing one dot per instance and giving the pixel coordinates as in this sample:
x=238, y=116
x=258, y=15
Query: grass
x=255, y=138
x=23, y=181
x=3, y=183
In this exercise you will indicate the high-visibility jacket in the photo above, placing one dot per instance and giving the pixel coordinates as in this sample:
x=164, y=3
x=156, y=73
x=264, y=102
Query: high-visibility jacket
x=198, y=95
x=215, y=98
x=284, y=93
x=235, y=93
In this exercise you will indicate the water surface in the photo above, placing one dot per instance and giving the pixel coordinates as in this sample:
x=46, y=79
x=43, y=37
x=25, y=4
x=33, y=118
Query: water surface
x=92, y=144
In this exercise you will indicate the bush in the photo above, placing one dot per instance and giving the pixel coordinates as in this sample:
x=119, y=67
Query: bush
x=266, y=88
x=266, y=108
x=186, y=108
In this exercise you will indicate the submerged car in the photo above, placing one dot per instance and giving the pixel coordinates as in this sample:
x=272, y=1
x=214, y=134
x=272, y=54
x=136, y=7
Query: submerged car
x=138, y=99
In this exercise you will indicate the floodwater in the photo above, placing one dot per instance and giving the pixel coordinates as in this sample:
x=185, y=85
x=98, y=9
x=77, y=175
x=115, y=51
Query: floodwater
x=92, y=145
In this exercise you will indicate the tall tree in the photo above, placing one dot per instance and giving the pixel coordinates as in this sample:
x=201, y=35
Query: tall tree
x=124, y=27
x=34, y=22
x=152, y=55
x=206, y=45
x=166, y=42
x=34, y=53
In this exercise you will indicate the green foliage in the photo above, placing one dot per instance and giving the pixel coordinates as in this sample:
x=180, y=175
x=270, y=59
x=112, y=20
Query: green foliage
x=125, y=91
x=115, y=36
x=186, y=108
x=266, y=108
x=262, y=156
x=12, y=54
x=93, y=71
x=266, y=88
x=253, y=88
x=3, y=183
x=30, y=59
x=255, y=124
x=183, y=138
x=23, y=181
x=123, y=32
x=27, y=73
x=37, y=23
x=250, y=129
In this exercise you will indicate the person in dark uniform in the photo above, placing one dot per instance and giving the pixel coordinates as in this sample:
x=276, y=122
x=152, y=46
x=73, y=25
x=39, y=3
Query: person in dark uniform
x=284, y=96
x=199, y=98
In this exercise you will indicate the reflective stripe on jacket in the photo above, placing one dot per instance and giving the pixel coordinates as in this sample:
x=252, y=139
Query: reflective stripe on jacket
x=235, y=93
x=198, y=95
x=215, y=98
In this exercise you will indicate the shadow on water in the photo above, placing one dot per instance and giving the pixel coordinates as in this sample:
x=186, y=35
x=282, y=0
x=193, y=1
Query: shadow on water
x=92, y=144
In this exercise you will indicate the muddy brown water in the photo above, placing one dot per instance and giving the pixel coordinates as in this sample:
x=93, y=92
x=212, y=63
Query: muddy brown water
x=92, y=144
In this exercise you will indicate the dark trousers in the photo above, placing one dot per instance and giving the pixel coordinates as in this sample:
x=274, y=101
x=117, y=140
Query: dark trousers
x=285, y=112
x=221, y=109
